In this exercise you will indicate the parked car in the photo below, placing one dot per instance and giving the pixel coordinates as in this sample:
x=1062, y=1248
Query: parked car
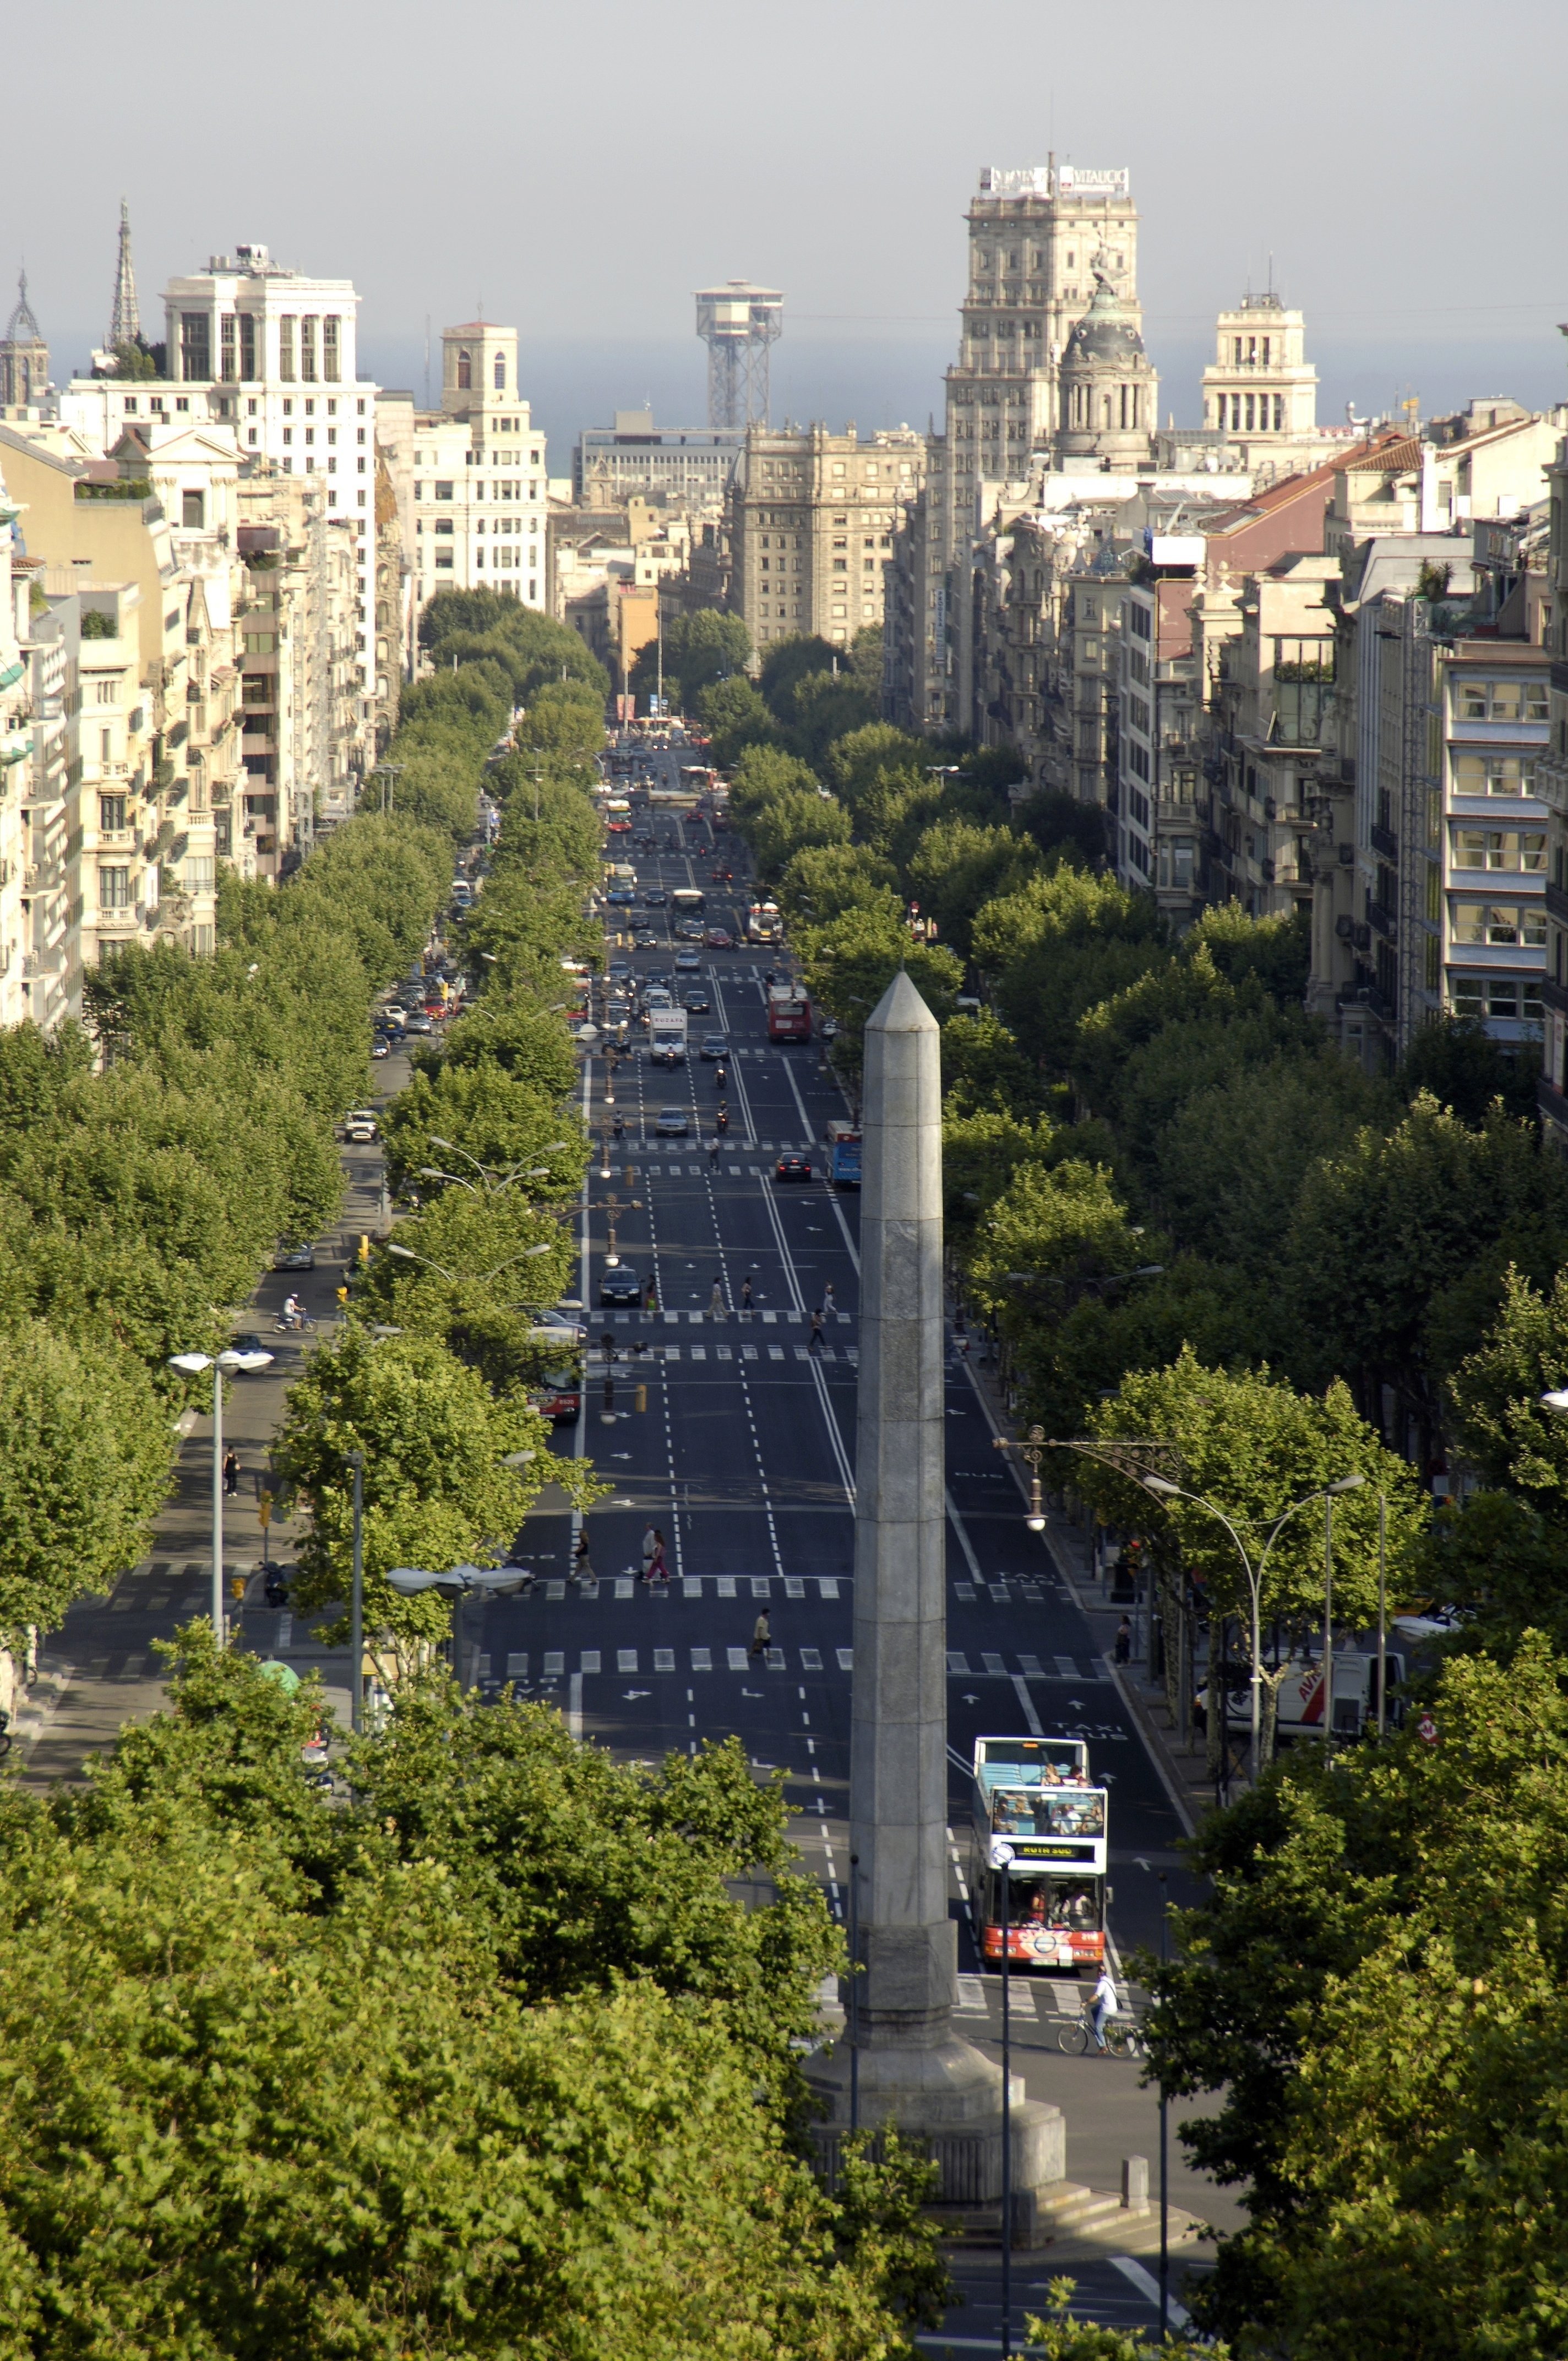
x=395, y=1014
x=360, y=1127
x=294, y=1259
x=381, y=1047
x=673, y=1123
x=793, y=1167
x=621, y=1285
x=420, y=1023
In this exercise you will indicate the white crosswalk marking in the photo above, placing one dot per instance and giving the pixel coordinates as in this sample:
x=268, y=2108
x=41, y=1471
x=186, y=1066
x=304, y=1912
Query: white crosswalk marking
x=769, y=1318
x=726, y=1586
x=590, y=1660
x=1068, y=1998
x=829, y=1585
x=762, y=1585
x=972, y=1996
x=1066, y=1668
x=1030, y=1667
x=517, y=1668
x=723, y=1353
x=845, y=1660
x=991, y=1663
x=702, y=1660
x=691, y=1585
x=556, y=1589
x=555, y=1664
x=794, y=1586
x=957, y=1663
x=775, y=1352
x=700, y=1352
x=748, y=1352
x=664, y=1660
x=623, y=1585
x=811, y=1660
x=626, y=1660
x=737, y=1659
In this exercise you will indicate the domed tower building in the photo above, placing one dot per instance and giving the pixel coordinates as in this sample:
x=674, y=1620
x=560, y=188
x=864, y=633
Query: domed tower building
x=1108, y=392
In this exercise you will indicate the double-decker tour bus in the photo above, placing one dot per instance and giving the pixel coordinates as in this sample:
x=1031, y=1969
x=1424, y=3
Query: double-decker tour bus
x=763, y=924
x=843, y=1152
x=1037, y=1814
x=789, y=1013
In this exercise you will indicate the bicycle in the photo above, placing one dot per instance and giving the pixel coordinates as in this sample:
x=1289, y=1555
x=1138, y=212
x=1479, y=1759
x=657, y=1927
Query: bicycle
x=1075, y=2038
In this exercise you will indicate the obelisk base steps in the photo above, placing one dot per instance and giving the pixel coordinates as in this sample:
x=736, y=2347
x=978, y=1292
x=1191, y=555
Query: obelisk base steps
x=947, y=2100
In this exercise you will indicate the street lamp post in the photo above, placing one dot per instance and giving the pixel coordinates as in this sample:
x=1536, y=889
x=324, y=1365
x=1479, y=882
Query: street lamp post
x=1003, y=1858
x=467, y=1581
x=193, y=1364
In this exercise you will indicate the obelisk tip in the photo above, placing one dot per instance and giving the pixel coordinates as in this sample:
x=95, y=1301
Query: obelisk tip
x=901, y=1009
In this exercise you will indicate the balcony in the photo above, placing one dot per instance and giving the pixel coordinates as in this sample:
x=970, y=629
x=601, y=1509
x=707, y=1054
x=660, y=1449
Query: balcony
x=124, y=921
x=1557, y=902
x=1385, y=842
x=1382, y=920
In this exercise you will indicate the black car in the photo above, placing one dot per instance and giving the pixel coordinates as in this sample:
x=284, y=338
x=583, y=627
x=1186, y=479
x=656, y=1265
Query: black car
x=793, y=1167
x=655, y=898
x=621, y=1286
x=696, y=1004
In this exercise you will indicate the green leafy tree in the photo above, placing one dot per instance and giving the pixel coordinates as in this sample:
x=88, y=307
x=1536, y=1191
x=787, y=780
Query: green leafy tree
x=526, y=1041
x=957, y=866
x=438, y=1489
x=85, y=1450
x=564, y=722
x=849, y=963
x=1514, y=1440
x=489, y=1119
x=789, y=823
x=1374, y=1994
x=1056, y=2336
x=735, y=717
x=789, y=662
x=826, y=706
x=1057, y=947
x=698, y=650
x=1064, y=828
x=822, y=880
x=983, y=1066
x=1061, y=1224
x=857, y=760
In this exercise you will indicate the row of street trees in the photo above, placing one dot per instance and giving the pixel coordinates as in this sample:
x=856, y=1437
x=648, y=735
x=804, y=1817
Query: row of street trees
x=1191, y=1224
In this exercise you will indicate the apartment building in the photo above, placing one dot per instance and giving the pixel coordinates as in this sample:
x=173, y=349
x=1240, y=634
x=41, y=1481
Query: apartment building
x=102, y=536
x=16, y=744
x=470, y=479
x=811, y=522
x=1551, y=784
x=270, y=353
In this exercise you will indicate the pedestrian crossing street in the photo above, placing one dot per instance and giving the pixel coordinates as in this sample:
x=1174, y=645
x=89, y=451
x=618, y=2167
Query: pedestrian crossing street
x=701, y=1319
x=552, y=1663
x=696, y=1171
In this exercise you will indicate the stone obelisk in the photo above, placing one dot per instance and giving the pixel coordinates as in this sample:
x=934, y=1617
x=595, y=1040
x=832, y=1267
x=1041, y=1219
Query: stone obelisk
x=913, y=2067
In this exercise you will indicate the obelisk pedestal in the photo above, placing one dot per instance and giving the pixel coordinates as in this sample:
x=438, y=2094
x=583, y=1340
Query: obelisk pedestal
x=910, y=2067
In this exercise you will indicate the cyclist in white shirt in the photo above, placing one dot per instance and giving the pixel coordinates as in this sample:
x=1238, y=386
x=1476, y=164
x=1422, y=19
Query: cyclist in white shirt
x=1102, y=2005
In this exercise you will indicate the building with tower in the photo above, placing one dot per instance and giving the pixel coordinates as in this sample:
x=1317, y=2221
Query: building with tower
x=24, y=356
x=1037, y=237
x=471, y=476
x=1261, y=383
x=124, y=316
x=810, y=525
x=1108, y=394
x=740, y=324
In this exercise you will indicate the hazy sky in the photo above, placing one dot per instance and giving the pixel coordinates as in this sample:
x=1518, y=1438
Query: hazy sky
x=581, y=169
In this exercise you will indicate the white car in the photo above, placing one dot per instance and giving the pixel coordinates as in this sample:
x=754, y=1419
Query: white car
x=359, y=1126
x=556, y=1328
x=394, y=1014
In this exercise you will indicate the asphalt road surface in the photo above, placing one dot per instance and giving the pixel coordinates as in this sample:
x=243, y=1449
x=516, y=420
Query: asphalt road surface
x=743, y=1458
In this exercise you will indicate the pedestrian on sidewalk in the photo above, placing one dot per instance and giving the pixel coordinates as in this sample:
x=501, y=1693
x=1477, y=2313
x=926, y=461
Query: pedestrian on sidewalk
x=231, y=1474
x=761, y=1635
x=816, y=1344
x=746, y=1293
x=716, y=1301
x=1124, y=1641
x=1102, y=2005
x=828, y=1305
x=650, y=1539
x=658, y=1564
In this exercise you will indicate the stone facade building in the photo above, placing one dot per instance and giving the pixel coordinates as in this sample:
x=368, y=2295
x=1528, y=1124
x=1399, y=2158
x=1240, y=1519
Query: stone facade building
x=810, y=524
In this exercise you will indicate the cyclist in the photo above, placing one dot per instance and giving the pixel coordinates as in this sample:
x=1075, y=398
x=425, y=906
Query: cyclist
x=1102, y=2006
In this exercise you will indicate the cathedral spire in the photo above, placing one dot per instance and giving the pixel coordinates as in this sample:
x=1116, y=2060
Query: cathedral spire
x=125, y=323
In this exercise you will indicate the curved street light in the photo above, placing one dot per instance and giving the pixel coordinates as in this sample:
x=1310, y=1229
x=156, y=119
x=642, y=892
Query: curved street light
x=193, y=1364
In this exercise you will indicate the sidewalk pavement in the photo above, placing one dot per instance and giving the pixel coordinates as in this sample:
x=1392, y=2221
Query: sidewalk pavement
x=99, y=1670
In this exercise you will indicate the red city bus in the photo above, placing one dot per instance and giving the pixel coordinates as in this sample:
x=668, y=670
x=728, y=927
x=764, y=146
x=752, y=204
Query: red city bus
x=789, y=1013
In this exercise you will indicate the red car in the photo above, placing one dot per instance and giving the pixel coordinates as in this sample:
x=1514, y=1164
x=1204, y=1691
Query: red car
x=717, y=939
x=721, y=877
